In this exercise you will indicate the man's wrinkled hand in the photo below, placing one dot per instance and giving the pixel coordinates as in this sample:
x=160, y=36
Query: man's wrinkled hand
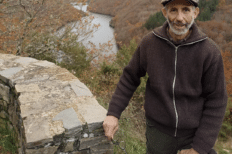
x=110, y=126
x=188, y=151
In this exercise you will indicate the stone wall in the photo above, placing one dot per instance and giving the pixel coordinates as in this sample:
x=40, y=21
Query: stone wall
x=10, y=113
x=49, y=109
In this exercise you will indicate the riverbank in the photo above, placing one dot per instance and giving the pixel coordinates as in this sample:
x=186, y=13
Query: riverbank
x=128, y=17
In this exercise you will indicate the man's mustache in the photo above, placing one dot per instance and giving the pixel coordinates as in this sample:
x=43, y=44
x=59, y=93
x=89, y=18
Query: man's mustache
x=179, y=23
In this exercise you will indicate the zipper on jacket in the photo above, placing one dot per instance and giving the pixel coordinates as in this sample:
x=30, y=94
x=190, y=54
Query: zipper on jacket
x=173, y=90
x=174, y=80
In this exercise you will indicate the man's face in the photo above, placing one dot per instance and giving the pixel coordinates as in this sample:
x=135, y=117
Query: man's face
x=180, y=16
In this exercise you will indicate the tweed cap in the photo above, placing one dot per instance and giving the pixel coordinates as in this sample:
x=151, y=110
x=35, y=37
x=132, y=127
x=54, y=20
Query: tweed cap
x=194, y=2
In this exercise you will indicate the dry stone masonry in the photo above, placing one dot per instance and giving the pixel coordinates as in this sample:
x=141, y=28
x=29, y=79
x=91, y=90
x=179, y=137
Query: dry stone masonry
x=49, y=110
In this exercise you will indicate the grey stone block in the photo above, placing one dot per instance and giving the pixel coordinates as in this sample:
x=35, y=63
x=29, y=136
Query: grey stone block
x=98, y=132
x=25, y=60
x=8, y=73
x=36, y=79
x=37, y=131
x=44, y=63
x=69, y=118
x=91, y=135
x=75, y=132
x=94, y=126
x=5, y=92
x=80, y=89
x=47, y=150
x=102, y=149
x=91, y=142
x=91, y=111
x=87, y=151
x=69, y=147
x=3, y=114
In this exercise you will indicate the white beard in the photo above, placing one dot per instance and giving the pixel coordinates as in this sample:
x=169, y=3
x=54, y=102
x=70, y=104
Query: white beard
x=180, y=31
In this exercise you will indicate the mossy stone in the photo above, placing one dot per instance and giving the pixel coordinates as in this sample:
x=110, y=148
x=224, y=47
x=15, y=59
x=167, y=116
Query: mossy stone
x=2, y=124
x=3, y=114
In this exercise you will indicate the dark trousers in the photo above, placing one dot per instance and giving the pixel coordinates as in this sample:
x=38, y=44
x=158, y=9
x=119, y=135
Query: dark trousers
x=160, y=143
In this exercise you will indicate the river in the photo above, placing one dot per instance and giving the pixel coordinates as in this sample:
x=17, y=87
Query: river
x=104, y=32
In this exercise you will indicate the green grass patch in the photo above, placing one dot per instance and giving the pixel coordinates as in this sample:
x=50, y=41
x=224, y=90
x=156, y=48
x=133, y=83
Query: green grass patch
x=7, y=138
x=128, y=140
x=223, y=147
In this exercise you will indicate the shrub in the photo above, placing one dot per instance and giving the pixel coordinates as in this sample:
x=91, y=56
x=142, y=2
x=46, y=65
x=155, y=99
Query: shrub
x=155, y=20
x=108, y=69
x=75, y=58
x=207, y=9
x=204, y=15
x=226, y=129
x=124, y=56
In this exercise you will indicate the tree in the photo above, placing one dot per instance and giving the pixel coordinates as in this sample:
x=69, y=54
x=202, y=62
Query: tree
x=155, y=20
x=207, y=9
x=42, y=27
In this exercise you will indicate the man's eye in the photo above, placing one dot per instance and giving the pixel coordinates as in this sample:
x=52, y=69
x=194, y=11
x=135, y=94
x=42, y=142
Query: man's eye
x=186, y=10
x=173, y=10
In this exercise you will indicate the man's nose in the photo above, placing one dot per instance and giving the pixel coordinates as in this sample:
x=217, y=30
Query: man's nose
x=180, y=16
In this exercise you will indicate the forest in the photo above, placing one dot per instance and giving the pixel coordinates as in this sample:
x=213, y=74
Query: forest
x=27, y=28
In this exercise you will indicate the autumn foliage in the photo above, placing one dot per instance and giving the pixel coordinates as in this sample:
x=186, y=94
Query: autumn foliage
x=29, y=27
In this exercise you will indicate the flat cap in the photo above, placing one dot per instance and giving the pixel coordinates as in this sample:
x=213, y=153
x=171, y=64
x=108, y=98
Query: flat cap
x=194, y=2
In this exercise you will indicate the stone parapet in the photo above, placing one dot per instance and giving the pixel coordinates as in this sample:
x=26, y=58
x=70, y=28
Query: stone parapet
x=49, y=109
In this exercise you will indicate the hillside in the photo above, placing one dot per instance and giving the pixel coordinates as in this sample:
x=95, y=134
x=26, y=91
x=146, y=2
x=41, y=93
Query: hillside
x=129, y=15
x=220, y=27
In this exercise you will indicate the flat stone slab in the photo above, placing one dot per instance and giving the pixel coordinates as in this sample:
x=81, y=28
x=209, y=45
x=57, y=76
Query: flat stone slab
x=44, y=64
x=69, y=118
x=10, y=72
x=48, y=150
x=80, y=89
x=91, y=111
x=25, y=60
x=27, y=88
x=37, y=130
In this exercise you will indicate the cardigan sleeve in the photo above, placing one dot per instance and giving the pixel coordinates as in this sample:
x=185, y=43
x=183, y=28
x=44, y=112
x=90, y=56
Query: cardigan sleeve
x=128, y=83
x=215, y=95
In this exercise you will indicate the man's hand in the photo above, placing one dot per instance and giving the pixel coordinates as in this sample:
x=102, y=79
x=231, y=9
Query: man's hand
x=188, y=151
x=110, y=126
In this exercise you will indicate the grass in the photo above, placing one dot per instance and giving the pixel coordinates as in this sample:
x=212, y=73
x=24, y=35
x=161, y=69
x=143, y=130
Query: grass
x=224, y=147
x=7, y=140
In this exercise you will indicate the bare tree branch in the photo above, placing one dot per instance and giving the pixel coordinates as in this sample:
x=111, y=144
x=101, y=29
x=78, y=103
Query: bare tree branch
x=20, y=3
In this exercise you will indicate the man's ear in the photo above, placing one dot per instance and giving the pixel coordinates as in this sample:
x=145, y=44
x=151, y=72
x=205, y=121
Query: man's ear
x=164, y=11
x=196, y=12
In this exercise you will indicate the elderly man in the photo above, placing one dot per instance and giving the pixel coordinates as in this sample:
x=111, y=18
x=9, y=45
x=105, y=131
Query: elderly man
x=186, y=97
